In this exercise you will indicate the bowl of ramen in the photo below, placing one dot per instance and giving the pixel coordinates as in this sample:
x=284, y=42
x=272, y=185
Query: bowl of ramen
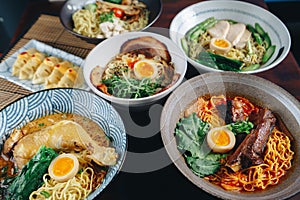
x=96, y=20
x=135, y=69
x=230, y=36
x=59, y=143
x=234, y=135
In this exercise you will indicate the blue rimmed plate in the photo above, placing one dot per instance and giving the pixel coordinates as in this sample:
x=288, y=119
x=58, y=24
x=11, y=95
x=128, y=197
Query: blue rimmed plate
x=6, y=65
x=77, y=101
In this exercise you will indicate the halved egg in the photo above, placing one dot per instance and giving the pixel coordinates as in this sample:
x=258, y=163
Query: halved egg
x=220, y=45
x=220, y=139
x=63, y=167
x=145, y=69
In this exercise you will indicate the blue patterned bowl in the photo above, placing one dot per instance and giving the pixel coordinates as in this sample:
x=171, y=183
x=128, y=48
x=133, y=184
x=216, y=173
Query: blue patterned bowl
x=77, y=101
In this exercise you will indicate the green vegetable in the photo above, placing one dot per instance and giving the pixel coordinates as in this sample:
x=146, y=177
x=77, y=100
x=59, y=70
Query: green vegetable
x=184, y=45
x=251, y=67
x=257, y=38
x=241, y=127
x=130, y=88
x=249, y=46
x=203, y=167
x=251, y=28
x=231, y=21
x=270, y=51
x=106, y=17
x=45, y=194
x=31, y=176
x=219, y=62
x=259, y=29
x=190, y=133
x=197, y=30
x=267, y=40
x=114, y=1
x=91, y=7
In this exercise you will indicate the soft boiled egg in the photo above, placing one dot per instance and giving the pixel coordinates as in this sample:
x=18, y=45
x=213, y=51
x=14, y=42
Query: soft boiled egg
x=63, y=167
x=220, y=45
x=220, y=139
x=145, y=69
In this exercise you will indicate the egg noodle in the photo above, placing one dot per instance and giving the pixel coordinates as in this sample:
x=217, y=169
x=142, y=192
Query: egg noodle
x=86, y=23
x=78, y=187
x=277, y=158
x=234, y=53
x=207, y=110
x=277, y=161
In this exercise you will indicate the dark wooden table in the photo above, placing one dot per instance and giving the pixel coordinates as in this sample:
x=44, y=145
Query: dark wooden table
x=148, y=175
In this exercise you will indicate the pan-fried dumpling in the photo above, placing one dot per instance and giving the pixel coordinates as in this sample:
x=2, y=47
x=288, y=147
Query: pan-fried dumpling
x=57, y=73
x=28, y=70
x=21, y=60
x=69, y=78
x=45, y=69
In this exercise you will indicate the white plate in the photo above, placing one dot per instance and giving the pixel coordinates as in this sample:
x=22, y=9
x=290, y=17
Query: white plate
x=6, y=65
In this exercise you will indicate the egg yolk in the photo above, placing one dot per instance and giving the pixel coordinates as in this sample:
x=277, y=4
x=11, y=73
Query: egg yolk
x=221, y=43
x=144, y=69
x=63, y=166
x=221, y=138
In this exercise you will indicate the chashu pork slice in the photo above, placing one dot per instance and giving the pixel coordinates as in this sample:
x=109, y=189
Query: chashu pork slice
x=219, y=30
x=244, y=39
x=148, y=46
x=235, y=33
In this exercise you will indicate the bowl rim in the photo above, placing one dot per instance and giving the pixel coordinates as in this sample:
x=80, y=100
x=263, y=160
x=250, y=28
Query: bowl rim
x=95, y=39
x=177, y=157
x=125, y=101
x=200, y=67
x=96, y=192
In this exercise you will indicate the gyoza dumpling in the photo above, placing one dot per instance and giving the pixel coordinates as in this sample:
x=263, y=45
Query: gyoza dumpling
x=21, y=60
x=69, y=78
x=28, y=70
x=45, y=69
x=57, y=73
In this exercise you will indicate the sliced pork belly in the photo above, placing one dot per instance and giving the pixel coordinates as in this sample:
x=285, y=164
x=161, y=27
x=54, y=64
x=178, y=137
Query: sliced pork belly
x=243, y=41
x=219, y=30
x=250, y=151
x=235, y=33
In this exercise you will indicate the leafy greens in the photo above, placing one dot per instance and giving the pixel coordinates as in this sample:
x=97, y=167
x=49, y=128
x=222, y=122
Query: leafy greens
x=31, y=176
x=191, y=133
x=130, y=88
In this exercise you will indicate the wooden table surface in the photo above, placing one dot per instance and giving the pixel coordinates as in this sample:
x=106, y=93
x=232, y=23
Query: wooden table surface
x=166, y=182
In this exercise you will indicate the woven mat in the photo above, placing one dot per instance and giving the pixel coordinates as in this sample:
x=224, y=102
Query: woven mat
x=49, y=30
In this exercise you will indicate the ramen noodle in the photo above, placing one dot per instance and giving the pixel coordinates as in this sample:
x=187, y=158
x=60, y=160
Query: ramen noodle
x=108, y=19
x=259, y=160
x=84, y=154
x=228, y=45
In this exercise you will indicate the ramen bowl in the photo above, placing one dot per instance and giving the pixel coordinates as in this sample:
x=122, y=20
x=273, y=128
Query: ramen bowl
x=236, y=11
x=102, y=54
x=258, y=91
x=73, y=101
x=71, y=6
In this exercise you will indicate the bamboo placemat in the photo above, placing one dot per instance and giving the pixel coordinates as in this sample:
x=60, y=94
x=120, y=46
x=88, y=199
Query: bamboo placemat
x=49, y=30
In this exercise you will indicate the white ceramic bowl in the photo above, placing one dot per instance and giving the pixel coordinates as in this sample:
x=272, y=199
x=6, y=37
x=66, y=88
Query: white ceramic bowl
x=106, y=50
x=239, y=11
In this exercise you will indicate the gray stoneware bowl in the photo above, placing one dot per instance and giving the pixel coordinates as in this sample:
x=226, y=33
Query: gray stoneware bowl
x=70, y=6
x=257, y=90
